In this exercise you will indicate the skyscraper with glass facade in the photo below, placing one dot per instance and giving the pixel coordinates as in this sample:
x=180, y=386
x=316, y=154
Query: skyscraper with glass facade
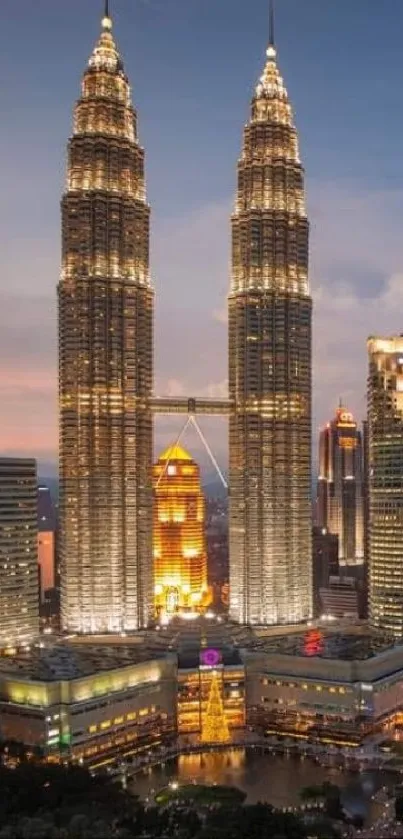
x=270, y=369
x=340, y=485
x=105, y=359
x=19, y=584
x=385, y=470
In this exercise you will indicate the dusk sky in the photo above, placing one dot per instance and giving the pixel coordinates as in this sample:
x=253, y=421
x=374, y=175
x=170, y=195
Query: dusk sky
x=193, y=65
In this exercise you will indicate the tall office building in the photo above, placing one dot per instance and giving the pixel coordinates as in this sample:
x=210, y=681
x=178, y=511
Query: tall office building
x=19, y=596
x=340, y=485
x=325, y=563
x=270, y=369
x=385, y=450
x=105, y=359
x=180, y=556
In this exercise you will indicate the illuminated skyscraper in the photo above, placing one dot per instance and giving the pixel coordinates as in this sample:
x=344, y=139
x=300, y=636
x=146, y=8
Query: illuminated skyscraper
x=385, y=469
x=270, y=368
x=19, y=591
x=105, y=359
x=180, y=560
x=340, y=485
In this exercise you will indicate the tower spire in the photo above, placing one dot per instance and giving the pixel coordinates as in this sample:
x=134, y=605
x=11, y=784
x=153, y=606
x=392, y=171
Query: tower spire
x=271, y=23
x=106, y=20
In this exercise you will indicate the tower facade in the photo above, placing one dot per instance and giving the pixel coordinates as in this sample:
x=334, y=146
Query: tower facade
x=19, y=594
x=270, y=369
x=340, y=485
x=105, y=359
x=180, y=558
x=385, y=470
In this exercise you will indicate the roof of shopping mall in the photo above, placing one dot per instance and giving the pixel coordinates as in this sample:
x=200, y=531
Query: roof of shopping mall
x=301, y=649
x=314, y=643
x=65, y=661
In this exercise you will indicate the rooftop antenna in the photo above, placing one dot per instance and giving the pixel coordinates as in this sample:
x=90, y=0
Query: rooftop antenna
x=106, y=9
x=271, y=23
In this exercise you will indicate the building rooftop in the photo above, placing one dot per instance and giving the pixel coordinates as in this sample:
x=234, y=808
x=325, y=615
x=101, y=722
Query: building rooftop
x=65, y=661
x=328, y=645
x=174, y=452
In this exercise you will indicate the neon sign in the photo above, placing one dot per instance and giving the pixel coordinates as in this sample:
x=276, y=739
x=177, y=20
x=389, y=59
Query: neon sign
x=210, y=658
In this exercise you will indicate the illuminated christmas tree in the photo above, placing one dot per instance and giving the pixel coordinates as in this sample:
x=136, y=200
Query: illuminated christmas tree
x=215, y=726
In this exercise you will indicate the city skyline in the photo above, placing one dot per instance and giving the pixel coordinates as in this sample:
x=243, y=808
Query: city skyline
x=28, y=375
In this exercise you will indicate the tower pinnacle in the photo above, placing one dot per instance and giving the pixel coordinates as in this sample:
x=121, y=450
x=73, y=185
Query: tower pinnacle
x=106, y=20
x=271, y=23
x=271, y=49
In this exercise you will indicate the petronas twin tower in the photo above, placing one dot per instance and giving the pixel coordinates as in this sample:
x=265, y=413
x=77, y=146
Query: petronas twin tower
x=106, y=365
x=105, y=360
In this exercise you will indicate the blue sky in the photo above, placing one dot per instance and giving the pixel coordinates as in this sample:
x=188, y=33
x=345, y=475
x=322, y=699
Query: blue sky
x=193, y=65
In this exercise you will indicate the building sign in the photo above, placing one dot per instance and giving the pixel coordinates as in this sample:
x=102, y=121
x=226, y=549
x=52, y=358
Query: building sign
x=210, y=658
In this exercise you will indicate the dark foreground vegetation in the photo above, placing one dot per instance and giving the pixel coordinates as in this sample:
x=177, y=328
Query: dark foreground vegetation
x=54, y=802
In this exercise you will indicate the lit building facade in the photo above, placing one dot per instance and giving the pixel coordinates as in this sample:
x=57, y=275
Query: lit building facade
x=19, y=595
x=88, y=704
x=180, y=558
x=270, y=369
x=333, y=689
x=385, y=469
x=207, y=679
x=340, y=507
x=105, y=360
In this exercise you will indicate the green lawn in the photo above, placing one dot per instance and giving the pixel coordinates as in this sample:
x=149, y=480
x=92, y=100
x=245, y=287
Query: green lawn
x=200, y=794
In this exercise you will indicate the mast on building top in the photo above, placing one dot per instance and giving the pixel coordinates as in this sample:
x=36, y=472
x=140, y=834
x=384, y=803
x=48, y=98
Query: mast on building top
x=271, y=49
x=107, y=20
x=271, y=23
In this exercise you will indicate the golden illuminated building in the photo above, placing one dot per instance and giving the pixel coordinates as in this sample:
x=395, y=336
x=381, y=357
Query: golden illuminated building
x=180, y=559
x=340, y=485
x=105, y=359
x=385, y=469
x=270, y=369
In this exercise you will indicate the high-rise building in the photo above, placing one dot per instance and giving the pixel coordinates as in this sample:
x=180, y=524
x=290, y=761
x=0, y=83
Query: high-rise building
x=46, y=541
x=19, y=596
x=270, y=369
x=180, y=557
x=385, y=445
x=340, y=485
x=365, y=493
x=105, y=359
x=325, y=562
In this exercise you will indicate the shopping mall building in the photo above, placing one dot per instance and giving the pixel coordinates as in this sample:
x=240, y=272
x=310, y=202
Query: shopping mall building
x=93, y=700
